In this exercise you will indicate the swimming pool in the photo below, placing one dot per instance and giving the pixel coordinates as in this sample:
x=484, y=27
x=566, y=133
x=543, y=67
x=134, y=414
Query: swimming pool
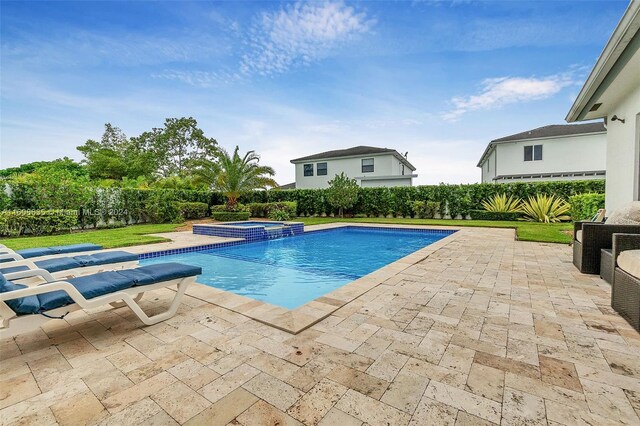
x=290, y=272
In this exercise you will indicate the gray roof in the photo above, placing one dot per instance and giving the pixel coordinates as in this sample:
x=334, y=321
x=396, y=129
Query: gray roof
x=553, y=130
x=354, y=152
x=291, y=185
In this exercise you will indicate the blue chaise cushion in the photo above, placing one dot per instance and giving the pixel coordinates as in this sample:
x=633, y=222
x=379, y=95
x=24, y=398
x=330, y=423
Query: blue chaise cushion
x=102, y=283
x=48, y=251
x=65, y=263
x=21, y=305
x=12, y=269
x=104, y=258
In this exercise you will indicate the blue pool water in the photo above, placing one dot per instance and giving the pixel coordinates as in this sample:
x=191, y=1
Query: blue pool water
x=292, y=271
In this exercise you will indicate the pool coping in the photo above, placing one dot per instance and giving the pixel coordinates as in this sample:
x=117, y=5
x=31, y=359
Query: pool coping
x=296, y=320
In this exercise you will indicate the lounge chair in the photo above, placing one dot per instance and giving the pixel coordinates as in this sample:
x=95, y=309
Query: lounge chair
x=7, y=255
x=591, y=237
x=625, y=290
x=24, y=308
x=71, y=266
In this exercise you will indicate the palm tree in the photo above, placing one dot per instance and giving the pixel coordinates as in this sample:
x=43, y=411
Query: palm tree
x=236, y=175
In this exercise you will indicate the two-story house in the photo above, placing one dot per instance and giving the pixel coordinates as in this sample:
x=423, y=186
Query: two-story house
x=369, y=166
x=556, y=152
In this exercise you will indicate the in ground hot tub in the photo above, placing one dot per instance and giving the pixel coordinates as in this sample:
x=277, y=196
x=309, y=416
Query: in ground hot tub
x=250, y=230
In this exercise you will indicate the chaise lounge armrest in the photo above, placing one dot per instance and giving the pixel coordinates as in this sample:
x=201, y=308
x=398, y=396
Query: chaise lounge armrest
x=623, y=242
x=30, y=273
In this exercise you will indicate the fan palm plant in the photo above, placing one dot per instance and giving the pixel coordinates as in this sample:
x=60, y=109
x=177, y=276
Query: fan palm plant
x=548, y=209
x=236, y=175
x=501, y=204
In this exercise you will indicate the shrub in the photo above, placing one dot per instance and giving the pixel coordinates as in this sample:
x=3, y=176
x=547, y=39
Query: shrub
x=585, y=206
x=500, y=203
x=265, y=209
x=548, y=209
x=279, y=214
x=487, y=215
x=225, y=208
x=192, y=210
x=425, y=209
x=225, y=216
x=36, y=222
x=343, y=192
x=161, y=207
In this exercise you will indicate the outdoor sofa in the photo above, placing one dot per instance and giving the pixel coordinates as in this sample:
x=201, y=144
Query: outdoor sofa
x=24, y=308
x=589, y=238
x=7, y=255
x=67, y=266
x=625, y=291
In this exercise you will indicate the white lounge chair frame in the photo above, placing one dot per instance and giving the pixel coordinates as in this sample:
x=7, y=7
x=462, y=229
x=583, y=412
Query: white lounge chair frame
x=71, y=273
x=13, y=325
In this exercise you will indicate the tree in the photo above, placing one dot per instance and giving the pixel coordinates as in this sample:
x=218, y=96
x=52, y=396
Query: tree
x=59, y=164
x=181, y=146
x=234, y=175
x=343, y=192
x=116, y=157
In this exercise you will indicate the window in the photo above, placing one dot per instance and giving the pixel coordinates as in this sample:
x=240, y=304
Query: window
x=533, y=153
x=321, y=169
x=308, y=169
x=367, y=165
x=537, y=152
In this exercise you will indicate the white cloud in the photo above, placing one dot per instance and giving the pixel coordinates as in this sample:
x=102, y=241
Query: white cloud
x=497, y=92
x=300, y=34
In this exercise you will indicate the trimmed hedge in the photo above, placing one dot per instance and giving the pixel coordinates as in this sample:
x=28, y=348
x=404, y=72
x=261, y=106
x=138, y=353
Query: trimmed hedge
x=193, y=209
x=485, y=215
x=455, y=200
x=230, y=216
x=138, y=205
x=585, y=206
x=36, y=222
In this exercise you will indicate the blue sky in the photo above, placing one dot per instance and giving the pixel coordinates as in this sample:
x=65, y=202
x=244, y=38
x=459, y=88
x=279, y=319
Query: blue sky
x=287, y=79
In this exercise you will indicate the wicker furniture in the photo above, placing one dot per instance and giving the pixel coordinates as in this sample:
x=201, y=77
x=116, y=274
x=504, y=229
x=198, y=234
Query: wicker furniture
x=606, y=265
x=625, y=291
x=594, y=237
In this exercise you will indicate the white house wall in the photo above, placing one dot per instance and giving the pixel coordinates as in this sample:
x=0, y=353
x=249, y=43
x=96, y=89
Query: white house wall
x=578, y=153
x=623, y=152
x=376, y=183
x=384, y=165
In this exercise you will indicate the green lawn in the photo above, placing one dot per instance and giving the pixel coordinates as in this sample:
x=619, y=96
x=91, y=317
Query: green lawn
x=135, y=234
x=108, y=238
x=526, y=231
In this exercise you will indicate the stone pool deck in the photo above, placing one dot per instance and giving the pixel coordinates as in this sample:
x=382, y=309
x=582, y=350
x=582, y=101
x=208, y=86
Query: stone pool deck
x=482, y=330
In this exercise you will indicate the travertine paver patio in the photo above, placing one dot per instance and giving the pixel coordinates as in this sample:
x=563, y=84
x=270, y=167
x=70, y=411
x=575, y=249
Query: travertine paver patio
x=484, y=330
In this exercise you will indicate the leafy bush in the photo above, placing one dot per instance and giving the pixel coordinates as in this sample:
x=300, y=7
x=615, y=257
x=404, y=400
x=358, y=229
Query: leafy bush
x=161, y=207
x=279, y=213
x=500, y=203
x=343, y=192
x=585, y=206
x=425, y=209
x=36, y=222
x=225, y=216
x=265, y=209
x=225, y=208
x=487, y=215
x=192, y=210
x=548, y=209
